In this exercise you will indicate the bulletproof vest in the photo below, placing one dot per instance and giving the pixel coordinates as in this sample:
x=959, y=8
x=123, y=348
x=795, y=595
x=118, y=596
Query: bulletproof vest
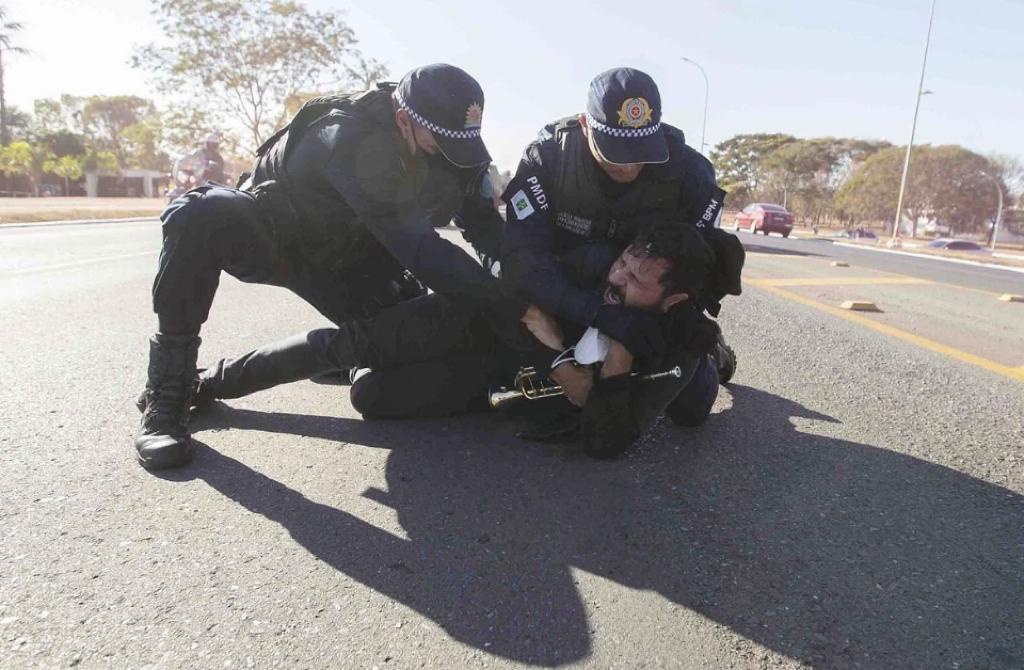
x=272, y=155
x=585, y=212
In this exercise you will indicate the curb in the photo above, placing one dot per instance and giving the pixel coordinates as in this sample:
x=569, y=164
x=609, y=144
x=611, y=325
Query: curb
x=930, y=257
x=76, y=222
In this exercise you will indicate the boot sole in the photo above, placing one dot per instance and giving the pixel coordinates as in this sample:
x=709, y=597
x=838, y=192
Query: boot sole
x=168, y=457
x=152, y=463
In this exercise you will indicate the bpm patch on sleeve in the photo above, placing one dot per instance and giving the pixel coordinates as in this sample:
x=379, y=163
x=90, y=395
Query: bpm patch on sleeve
x=713, y=210
x=521, y=204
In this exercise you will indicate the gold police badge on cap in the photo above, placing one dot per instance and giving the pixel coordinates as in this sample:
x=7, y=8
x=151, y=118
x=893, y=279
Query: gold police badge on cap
x=474, y=115
x=635, y=112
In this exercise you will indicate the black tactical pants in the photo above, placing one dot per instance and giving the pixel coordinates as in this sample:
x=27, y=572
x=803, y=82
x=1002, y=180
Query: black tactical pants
x=214, y=228
x=423, y=330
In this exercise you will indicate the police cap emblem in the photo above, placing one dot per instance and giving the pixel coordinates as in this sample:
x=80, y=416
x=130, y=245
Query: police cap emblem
x=474, y=115
x=634, y=113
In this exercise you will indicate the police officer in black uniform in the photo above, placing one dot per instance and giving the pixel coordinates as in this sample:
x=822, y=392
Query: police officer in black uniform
x=589, y=181
x=341, y=203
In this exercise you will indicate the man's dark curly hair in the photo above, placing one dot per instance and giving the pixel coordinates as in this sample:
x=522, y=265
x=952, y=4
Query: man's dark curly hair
x=682, y=245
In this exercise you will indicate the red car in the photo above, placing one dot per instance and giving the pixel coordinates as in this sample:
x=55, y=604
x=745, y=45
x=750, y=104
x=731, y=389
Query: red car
x=764, y=218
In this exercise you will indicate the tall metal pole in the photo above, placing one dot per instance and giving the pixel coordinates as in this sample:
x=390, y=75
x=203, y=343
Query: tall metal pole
x=999, y=208
x=913, y=129
x=704, y=123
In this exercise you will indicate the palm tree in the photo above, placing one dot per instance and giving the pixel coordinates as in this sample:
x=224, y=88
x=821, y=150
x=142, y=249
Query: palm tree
x=7, y=31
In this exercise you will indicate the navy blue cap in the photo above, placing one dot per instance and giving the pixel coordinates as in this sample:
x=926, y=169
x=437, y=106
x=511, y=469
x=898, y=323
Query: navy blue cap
x=624, y=116
x=450, y=104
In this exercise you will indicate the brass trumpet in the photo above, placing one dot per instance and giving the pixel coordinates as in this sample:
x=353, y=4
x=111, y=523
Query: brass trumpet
x=528, y=384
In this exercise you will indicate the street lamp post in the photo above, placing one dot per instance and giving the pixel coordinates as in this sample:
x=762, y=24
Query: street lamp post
x=704, y=123
x=895, y=241
x=999, y=208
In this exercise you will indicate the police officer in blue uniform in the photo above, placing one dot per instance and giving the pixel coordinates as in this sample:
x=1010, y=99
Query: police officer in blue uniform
x=586, y=183
x=341, y=203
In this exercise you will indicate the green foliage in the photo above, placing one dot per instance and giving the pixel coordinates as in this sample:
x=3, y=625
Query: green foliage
x=243, y=58
x=48, y=118
x=737, y=161
x=16, y=159
x=184, y=126
x=64, y=143
x=1013, y=220
x=946, y=183
x=22, y=158
x=803, y=174
x=871, y=193
x=1011, y=170
x=19, y=123
x=68, y=167
x=142, y=144
x=99, y=161
x=128, y=127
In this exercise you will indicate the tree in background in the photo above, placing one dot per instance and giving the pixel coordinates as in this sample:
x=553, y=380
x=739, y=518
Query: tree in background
x=243, y=58
x=961, y=196
x=1011, y=170
x=16, y=159
x=30, y=160
x=63, y=143
x=52, y=115
x=871, y=192
x=68, y=167
x=184, y=126
x=798, y=174
x=737, y=161
x=805, y=174
x=946, y=183
x=127, y=126
x=99, y=161
x=8, y=29
x=143, y=142
x=364, y=72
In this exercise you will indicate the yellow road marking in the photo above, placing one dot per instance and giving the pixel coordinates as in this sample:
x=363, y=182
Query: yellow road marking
x=1016, y=373
x=884, y=272
x=838, y=281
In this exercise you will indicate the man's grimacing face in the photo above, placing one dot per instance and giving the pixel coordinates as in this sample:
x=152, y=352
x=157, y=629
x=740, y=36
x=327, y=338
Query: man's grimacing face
x=635, y=281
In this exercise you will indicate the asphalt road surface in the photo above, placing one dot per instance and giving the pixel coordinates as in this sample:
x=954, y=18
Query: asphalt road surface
x=856, y=499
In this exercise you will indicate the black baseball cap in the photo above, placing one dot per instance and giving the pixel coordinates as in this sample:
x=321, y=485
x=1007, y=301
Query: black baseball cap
x=624, y=116
x=450, y=104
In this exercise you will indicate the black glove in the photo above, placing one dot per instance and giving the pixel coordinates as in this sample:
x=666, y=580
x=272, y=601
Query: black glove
x=607, y=423
x=640, y=331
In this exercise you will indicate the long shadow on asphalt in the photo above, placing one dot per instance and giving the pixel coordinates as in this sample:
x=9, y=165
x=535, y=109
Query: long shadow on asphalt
x=831, y=552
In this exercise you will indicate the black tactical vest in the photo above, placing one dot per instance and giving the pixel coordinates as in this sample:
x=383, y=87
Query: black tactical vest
x=272, y=155
x=584, y=211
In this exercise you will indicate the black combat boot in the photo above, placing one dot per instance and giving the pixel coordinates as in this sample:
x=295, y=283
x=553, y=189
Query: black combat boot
x=725, y=357
x=163, y=440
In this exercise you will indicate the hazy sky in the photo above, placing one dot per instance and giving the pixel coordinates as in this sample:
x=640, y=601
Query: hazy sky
x=805, y=67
